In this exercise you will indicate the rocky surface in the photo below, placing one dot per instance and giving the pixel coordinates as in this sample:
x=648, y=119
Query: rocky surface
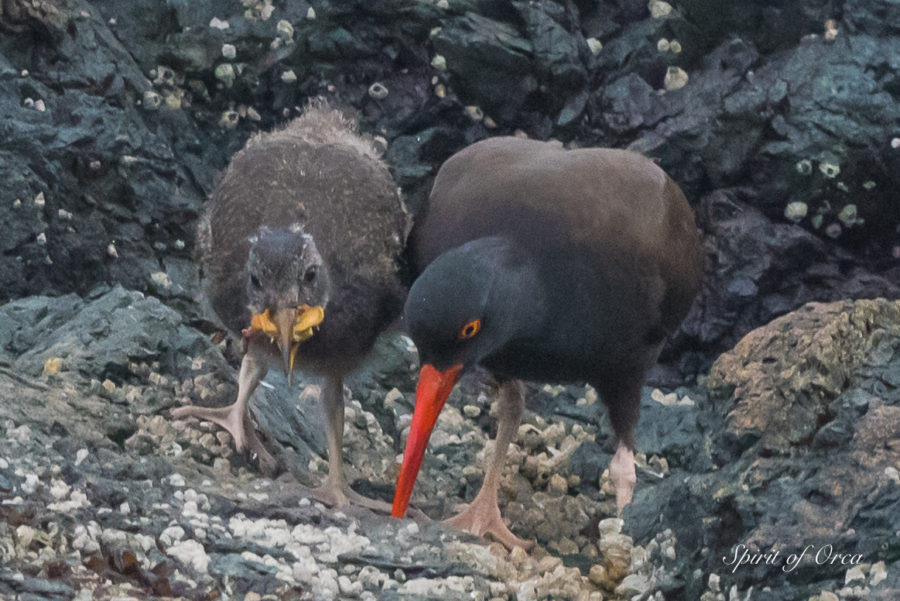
x=780, y=120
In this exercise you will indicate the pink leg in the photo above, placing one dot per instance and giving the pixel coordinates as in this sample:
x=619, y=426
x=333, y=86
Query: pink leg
x=482, y=516
x=235, y=418
x=335, y=491
x=621, y=472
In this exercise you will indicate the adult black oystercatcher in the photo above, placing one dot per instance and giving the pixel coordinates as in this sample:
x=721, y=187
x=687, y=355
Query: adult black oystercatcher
x=547, y=264
x=299, y=247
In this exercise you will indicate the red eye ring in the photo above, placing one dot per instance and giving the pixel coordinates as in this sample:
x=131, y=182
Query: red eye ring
x=470, y=329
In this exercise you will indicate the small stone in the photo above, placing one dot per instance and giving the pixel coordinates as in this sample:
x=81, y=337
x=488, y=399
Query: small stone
x=829, y=169
x=440, y=90
x=489, y=123
x=52, y=366
x=557, y=486
x=439, y=62
x=827, y=596
x=877, y=573
x=109, y=385
x=80, y=456
x=311, y=13
x=471, y=411
x=833, y=230
x=289, y=76
x=892, y=474
x=229, y=119
x=474, y=113
x=663, y=45
x=285, y=30
x=715, y=583
x=253, y=115
x=217, y=23
x=229, y=51
x=659, y=9
x=190, y=552
x=594, y=45
x=224, y=72
x=831, y=30
x=111, y=250
x=803, y=166
x=675, y=47
x=796, y=211
x=39, y=200
x=597, y=574
x=634, y=585
x=161, y=279
x=848, y=215
x=518, y=555
x=64, y=214
x=39, y=105
x=854, y=573
x=610, y=526
x=895, y=143
x=378, y=91
x=24, y=535
x=443, y=4
x=676, y=78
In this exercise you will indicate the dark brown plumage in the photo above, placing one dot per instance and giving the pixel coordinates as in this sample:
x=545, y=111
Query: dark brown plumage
x=307, y=216
x=545, y=264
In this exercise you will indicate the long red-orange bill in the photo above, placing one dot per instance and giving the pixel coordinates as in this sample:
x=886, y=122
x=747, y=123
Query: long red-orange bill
x=431, y=393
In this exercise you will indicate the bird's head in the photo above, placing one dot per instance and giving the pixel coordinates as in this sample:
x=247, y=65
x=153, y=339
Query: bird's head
x=287, y=288
x=463, y=307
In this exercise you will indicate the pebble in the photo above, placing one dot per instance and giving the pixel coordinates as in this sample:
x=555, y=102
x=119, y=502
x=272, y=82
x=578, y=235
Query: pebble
x=217, y=23
x=675, y=79
x=229, y=51
x=474, y=112
x=558, y=486
x=289, y=76
x=285, y=30
x=151, y=100
x=854, y=573
x=224, y=72
x=848, y=215
x=52, y=366
x=633, y=585
x=877, y=573
x=829, y=169
x=594, y=45
x=659, y=9
x=439, y=62
x=190, y=552
x=378, y=91
x=796, y=211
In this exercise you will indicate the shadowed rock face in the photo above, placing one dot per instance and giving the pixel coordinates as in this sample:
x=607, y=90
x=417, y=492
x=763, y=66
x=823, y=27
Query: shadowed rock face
x=117, y=118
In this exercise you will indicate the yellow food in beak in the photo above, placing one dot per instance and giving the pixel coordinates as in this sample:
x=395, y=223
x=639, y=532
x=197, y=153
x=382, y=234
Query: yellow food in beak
x=305, y=319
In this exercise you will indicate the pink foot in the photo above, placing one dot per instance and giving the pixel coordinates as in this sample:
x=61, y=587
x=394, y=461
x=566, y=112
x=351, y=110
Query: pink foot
x=336, y=495
x=482, y=517
x=621, y=472
x=237, y=423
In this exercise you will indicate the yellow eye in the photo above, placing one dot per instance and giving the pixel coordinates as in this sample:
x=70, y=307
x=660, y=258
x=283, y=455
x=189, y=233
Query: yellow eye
x=470, y=329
